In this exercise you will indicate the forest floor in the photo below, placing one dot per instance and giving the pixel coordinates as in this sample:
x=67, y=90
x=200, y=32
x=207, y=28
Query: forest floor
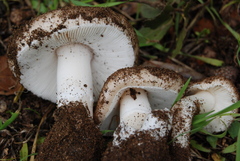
x=187, y=37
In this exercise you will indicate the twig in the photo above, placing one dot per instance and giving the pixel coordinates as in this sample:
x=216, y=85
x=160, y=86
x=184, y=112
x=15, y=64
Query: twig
x=34, y=147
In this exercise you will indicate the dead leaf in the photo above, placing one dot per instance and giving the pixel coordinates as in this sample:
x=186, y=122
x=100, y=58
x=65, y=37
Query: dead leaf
x=216, y=157
x=8, y=83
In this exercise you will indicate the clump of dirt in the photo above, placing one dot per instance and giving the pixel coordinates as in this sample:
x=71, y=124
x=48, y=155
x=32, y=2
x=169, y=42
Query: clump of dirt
x=140, y=146
x=73, y=136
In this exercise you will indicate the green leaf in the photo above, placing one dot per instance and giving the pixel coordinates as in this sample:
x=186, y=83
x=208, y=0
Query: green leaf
x=149, y=12
x=212, y=140
x=238, y=147
x=154, y=30
x=230, y=148
x=154, y=35
x=221, y=135
x=40, y=140
x=182, y=91
x=24, y=152
x=233, y=129
x=106, y=131
x=199, y=146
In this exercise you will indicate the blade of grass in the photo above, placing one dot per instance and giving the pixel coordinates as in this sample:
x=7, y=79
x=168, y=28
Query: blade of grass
x=215, y=135
x=200, y=117
x=238, y=51
x=225, y=110
x=109, y=4
x=233, y=32
x=182, y=91
x=199, y=146
x=211, y=61
x=14, y=115
x=180, y=39
x=238, y=147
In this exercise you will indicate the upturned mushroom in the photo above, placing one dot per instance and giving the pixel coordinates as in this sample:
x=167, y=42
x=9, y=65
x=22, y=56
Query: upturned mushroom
x=214, y=94
x=131, y=94
x=211, y=94
x=148, y=87
x=65, y=56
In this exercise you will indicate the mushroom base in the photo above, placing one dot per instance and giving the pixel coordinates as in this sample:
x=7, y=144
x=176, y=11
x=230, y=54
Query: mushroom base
x=140, y=146
x=74, y=136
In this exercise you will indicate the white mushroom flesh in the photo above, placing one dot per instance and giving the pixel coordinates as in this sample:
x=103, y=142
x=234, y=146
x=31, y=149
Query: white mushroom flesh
x=71, y=87
x=134, y=107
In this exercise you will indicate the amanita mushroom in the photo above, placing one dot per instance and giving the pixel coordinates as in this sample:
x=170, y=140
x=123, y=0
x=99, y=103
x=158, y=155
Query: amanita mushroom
x=156, y=87
x=214, y=94
x=132, y=94
x=210, y=94
x=66, y=55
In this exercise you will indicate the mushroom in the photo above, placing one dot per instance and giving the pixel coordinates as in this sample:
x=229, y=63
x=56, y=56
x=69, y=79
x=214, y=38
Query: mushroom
x=132, y=94
x=148, y=88
x=65, y=56
x=214, y=94
x=211, y=94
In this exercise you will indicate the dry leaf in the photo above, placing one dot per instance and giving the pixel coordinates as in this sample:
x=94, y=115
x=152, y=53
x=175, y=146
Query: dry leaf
x=216, y=157
x=8, y=83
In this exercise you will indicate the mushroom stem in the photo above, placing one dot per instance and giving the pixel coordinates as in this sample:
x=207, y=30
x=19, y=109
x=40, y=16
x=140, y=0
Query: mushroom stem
x=134, y=107
x=74, y=78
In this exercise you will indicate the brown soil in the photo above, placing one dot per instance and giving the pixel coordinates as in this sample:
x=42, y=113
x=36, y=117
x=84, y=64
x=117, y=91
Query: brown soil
x=73, y=136
x=141, y=147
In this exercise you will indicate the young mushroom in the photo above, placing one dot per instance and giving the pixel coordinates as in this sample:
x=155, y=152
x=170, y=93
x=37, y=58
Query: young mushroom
x=214, y=94
x=148, y=88
x=66, y=55
x=132, y=94
x=211, y=94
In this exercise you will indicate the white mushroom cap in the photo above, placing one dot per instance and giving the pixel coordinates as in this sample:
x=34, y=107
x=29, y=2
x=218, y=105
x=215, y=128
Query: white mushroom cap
x=215, y=93
x=162, y=88
x=32, y=52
